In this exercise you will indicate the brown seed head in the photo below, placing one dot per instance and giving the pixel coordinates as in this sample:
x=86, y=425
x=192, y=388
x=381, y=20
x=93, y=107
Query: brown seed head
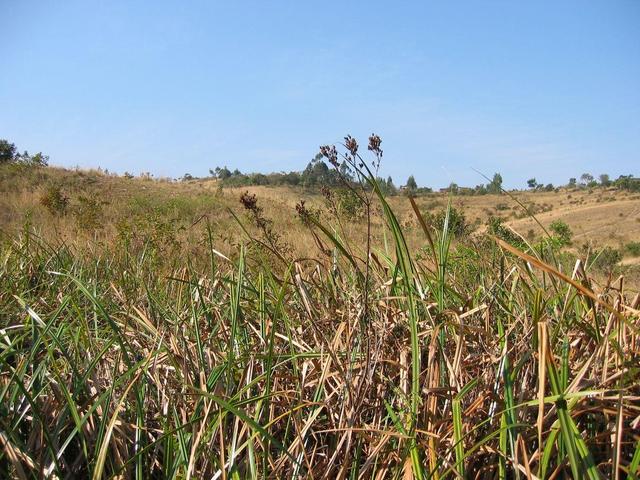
x=330, y=153
x=249, y=201
x=374, y=144
x=303, y=213
x=351, y=144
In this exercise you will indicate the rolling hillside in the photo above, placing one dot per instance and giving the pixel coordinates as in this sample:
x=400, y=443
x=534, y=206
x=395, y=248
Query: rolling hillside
x=100, y=206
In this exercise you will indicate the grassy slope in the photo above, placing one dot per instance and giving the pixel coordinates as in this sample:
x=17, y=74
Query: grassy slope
x=606, y=217
x=145, y=352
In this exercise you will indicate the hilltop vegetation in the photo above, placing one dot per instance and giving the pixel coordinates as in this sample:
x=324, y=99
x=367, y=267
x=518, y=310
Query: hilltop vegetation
x=199, y=329
x=81, y=207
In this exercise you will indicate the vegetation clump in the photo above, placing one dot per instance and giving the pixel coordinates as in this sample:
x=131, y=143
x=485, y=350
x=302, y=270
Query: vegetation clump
x=562, y=233
x=633, y=249
x=88, y=213
x=606, y=258
x=457, y=222
x=9, y=154
x=496, y=227
x=54, y=200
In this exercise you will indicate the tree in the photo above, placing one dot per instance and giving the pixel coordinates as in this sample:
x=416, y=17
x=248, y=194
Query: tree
x=480, y=189
x=222, y=173
x=390, y=184
x=411, y=185
x=496, y=184
x=605, y=181
x=586, y=178
x=628, y=182
x=319, y=173
x=346, y=172
x=39, y=160
x=453, y=188
x=572, y=182
x=532, y=183
x=387, y=186
x=291, y=178
x=7, y=151
x=9, y=154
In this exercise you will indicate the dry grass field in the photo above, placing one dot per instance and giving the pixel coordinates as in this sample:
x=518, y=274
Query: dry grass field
x=604, y=217
x=158, y=329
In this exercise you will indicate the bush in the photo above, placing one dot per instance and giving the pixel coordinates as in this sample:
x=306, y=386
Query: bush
x=37, y=160
x=496, y=228
x=89, y=213
x=54, y=200
x=457, y=222
x=604, y=259
x=350, y=204
x=343, y=203
x=562, y=231
x=608, y=257
x=633, y=249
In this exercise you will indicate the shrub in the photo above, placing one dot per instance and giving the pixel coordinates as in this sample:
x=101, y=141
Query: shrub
x=496, y=228
x=608, y=257
x=350, y=204
x=604, y=259
x=54, y=200
x=458, y=224
x=633, y=249
x=562, y=231
x=37, y=160
x=89, y=213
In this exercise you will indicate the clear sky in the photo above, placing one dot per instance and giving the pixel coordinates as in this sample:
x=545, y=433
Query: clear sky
x=549, y=89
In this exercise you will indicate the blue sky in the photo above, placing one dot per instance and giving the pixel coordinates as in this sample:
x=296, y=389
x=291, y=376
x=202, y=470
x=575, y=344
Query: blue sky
x=546, y=89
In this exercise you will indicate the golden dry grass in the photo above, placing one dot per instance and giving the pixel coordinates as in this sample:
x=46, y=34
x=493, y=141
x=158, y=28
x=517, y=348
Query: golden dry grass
x=165, y=341
x=601, y=216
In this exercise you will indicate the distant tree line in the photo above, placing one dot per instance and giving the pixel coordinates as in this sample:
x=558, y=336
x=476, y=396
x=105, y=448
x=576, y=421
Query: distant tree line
x=316, y=174
x=587, y=180
x=10, y=154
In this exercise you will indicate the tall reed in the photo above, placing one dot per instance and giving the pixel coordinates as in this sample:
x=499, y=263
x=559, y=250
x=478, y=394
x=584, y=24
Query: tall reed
x=478, y=360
